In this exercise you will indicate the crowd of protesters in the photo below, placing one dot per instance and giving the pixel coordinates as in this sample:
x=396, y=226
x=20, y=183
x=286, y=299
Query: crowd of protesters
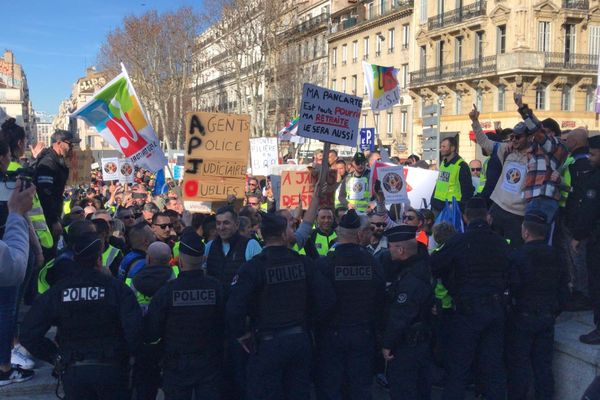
x=253, y=301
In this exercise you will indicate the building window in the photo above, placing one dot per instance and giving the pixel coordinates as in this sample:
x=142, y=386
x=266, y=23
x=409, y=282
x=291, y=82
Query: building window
x=354, y=84
x=501, y=97
x=391, y=40
x=423, y=57
x=565, y=98
x=333, y=84
x=423, y=12
x=404, y=75
x=376, y=117
x=439, y=56
x=390, y=124
x=590, y=99
x=594, y=41
x=501, y=39
x=479, y=99
x=366, y=47
x=334, y=57
x=540, y=97
x=569, y=41
x=458, y=104
x=403, y=121
x=344, y=85
x=378, y=41
x=344, y=54
x=544, y=34
x=478, y=51
x=364, y=120
x=324, y=47
x=458, y=49
x=405, y=36
x=315, y=47
x=354, y=51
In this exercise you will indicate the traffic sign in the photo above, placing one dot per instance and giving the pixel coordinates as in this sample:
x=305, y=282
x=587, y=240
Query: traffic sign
x=367, y=139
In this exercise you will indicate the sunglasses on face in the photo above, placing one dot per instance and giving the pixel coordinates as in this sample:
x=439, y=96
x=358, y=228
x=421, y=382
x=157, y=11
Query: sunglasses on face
x=476, y=169
x=408, y=218
x=378, y=224
x=164, y=226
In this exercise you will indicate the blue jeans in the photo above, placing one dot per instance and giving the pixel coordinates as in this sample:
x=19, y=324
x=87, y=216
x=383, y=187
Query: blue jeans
x=8, y=321
x=544, y=204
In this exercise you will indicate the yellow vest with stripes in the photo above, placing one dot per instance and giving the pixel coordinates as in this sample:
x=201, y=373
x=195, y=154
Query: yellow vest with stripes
x=448, y=183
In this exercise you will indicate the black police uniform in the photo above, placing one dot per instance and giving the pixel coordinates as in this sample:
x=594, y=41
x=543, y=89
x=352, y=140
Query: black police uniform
x=474, y=267
x=187, y=314
x=99, y=326
x=346, y=340
x=280, y=290
x=50, y=178
x=539, y=288
x=408, y=332
x=587, y=226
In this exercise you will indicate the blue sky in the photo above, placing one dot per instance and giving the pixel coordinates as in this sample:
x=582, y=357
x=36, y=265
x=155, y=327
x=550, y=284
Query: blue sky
x=54, y=40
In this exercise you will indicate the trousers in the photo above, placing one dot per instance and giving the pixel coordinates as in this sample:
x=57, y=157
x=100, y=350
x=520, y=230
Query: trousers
x=193, y=375
x=96, y=383
x=409, y=373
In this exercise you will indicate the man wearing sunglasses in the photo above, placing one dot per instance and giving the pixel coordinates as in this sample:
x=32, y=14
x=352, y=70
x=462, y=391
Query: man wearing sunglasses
x=50, y=177
x=163, y=228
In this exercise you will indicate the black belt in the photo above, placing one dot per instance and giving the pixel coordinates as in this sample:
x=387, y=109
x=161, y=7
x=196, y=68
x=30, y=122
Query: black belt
x=96, y=363
x=270, y=335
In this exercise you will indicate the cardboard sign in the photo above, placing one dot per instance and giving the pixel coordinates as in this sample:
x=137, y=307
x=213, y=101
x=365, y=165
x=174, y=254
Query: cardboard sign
x=420, y=184
x=126, y=171
x=329, y=116
x=80, y=167
x=216, y=156
x=110, y=169
x=263, y=152
x=299, y=186
x=392, y=184
x=204, y=207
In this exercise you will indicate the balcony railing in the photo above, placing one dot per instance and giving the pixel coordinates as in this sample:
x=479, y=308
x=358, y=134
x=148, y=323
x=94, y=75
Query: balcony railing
x=457, y=70
x=571, y=61
x=576, y=4
x=314, y=22
x=373, y=12
x=457, y=15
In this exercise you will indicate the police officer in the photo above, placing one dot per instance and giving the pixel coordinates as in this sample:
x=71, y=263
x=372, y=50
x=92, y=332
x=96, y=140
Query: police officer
x=99, y=327
x=454, y=179
x=407, y=335
x=280, y=291
x=474, y=267
x=346, y=340
x=51, y=175
x=187, y=315
x=538, y=287
x=587, y=225
x=354, y=189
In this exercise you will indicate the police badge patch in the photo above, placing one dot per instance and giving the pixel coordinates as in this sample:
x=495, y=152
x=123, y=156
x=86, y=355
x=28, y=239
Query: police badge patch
x=591, y=194
x=234, y=280
x=402, y=297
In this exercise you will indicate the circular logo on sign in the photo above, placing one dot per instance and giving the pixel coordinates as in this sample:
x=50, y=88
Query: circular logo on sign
x=402, y=297
x=513, y=175
x=357, y=187
x=110, y=167
x=392, y=182
x=126, y=169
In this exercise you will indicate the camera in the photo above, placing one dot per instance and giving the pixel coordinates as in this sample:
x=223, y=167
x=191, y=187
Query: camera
x=24, y=174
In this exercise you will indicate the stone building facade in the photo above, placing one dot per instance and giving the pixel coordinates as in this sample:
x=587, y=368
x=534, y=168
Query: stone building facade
x=14, y=94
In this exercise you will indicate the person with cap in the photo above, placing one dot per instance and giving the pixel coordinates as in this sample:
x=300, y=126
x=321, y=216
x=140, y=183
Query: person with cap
x=354, y=189
x=281, y=292
x=346, y=340
x=587, y=226
x=538, y=288
x=508, y=206
x=454, y=179
x=406, y=338
x=99, y=327
x=50, y=177
x=474, y=267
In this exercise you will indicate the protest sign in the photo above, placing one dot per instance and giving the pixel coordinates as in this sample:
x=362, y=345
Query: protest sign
x=392, y=184
x=299, y=186
x=110, y=169
x=125, y=171
x=198, y=206
x=419, y=185
x=263, y=152
x=216, y=156
x=329, y=116
x=80, y=167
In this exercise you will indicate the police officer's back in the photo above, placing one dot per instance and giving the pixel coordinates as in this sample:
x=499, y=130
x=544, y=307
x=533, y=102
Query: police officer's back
x=188, y=315
x=98, y=327
x=407, y=333
x=474, y=268
x=538, y=287
x=280, y=291
x=346, y=339
x=51, y=175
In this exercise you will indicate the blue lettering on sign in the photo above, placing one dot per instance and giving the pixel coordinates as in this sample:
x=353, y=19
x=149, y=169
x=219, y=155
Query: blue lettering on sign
x=367, y=139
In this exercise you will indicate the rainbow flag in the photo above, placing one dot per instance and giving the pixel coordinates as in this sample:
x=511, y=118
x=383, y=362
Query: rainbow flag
x=116, y=113
x=291, y=129
x=382, y=86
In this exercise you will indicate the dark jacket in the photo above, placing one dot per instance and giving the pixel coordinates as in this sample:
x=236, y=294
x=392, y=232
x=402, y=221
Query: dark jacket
x=580, y=171
x=151, y=278
x=224, y=267
x=50, y=177
x=587, y=217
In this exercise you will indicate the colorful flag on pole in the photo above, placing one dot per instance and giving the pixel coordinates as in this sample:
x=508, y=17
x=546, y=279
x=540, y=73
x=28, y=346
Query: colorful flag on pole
x=382, y=86
x=160, y=184
x=116, y=113
x=598, y=88
x=291, y=129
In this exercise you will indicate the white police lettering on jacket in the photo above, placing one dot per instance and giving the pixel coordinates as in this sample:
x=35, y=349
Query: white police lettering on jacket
x=285, y=273
x=83, y=294
x=194, y=297
x=353, y=273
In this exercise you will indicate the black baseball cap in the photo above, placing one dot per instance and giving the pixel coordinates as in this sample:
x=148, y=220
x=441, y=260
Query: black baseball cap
x=61, y=135
x=359, y=158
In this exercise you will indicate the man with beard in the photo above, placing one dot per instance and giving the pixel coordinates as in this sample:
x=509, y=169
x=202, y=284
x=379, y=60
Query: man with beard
x=354, y=189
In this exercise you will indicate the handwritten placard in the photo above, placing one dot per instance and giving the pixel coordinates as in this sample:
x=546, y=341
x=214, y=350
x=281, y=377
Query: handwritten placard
x=329, y=116
x=216, y=156
x=80, y=167
x=263, y=152
x=299, y=186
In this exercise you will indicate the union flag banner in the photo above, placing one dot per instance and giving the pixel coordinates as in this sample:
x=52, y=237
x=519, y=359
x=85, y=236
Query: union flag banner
x=116, y=113
x=382, y=86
